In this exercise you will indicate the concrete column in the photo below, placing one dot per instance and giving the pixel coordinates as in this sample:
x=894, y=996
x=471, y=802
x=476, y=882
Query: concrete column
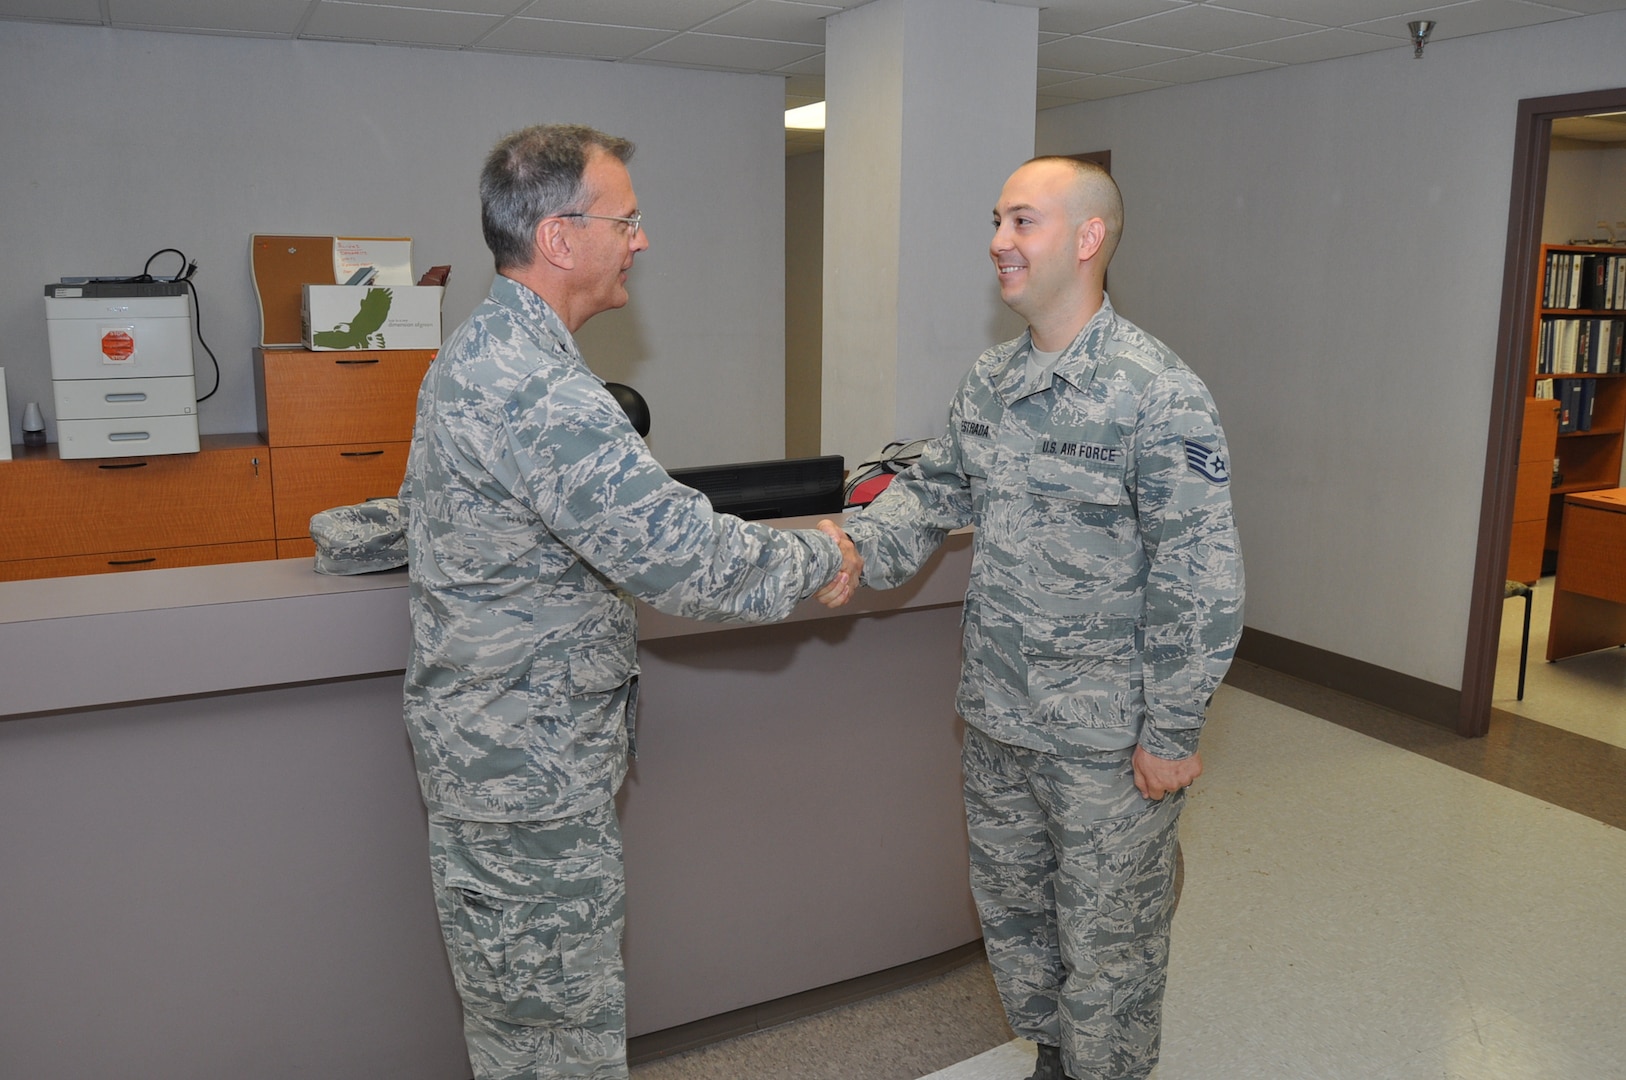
x=930, y=106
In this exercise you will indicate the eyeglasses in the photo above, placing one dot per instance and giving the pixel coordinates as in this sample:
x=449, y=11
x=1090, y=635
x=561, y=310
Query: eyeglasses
x=633, y=223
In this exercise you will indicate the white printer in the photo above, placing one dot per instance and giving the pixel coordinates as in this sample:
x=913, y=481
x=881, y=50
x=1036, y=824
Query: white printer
x=121, y=368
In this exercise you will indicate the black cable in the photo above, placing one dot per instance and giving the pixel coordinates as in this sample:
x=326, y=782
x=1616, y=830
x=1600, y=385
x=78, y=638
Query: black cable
x=146, y=274
x=184, y=277
x=197, y=322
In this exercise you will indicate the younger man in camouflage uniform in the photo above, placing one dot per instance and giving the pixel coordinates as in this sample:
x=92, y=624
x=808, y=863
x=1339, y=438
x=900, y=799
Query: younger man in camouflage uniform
x=1104, y=607
x=534, y=515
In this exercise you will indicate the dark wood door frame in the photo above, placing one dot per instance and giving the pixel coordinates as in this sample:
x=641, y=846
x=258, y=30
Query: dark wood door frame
x=1520, y=273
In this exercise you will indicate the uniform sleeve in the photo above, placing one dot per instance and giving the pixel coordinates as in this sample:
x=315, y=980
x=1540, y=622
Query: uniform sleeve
x=1194, y=586
x=582, y=469
x=901, y=529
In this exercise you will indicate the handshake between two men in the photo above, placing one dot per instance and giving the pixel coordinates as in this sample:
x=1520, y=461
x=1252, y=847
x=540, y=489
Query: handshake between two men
x=841, y=588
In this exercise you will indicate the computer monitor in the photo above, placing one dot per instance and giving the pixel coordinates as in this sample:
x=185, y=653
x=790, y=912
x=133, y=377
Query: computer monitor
x=755, y=490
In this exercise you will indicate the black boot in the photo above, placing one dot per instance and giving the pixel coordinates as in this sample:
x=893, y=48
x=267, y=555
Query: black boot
x=1048, y=1064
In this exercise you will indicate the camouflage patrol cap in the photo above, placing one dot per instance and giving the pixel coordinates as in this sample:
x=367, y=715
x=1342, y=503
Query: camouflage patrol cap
x=360, y=539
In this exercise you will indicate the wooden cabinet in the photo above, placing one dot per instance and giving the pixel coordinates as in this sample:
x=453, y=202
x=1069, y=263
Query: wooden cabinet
x=108, y=514
x=338, y=425
x=317, y=478
x=1576, y=347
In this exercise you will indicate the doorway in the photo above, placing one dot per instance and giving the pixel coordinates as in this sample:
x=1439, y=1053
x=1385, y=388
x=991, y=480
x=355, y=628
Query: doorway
x=1521, y=270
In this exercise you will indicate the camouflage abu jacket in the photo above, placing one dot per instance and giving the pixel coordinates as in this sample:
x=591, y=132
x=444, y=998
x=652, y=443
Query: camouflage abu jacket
x=1105, y=601
x=534, y=515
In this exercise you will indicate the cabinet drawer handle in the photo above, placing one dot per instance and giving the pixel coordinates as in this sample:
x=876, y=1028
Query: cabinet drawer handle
x=360, y=453
x=368, y=360
x=125, y=465
x=131, y=562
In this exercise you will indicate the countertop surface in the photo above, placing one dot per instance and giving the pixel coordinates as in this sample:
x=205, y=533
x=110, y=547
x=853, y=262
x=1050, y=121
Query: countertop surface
x=101, y=639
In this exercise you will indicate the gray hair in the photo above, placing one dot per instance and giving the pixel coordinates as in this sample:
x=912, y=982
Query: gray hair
x=533, y=174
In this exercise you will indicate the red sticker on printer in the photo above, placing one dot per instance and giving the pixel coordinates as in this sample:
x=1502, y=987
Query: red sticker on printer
x=117, y=345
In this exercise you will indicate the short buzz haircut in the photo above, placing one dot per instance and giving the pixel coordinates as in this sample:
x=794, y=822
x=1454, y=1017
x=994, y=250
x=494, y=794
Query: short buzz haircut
x=533, y=174
x=1095, y=194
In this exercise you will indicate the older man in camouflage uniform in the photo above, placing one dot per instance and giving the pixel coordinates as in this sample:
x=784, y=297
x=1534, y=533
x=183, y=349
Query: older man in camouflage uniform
x=1105, y=605
x=534, y=515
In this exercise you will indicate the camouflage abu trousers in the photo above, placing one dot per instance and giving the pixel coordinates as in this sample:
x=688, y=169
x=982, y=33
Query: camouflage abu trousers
x=532, y=914
x=1073, y=875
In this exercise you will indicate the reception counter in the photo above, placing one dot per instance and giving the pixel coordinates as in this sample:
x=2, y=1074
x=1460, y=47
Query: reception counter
x=214, y=848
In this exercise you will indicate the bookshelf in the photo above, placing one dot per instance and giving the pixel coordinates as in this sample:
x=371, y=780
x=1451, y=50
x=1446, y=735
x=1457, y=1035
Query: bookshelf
x=1575, y=358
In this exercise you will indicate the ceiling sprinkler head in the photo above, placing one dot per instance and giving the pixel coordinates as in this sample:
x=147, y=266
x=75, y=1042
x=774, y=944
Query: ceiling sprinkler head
x=1420, y=29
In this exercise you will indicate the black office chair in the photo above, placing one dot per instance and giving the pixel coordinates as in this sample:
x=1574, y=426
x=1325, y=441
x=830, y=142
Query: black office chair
x=1509, y=591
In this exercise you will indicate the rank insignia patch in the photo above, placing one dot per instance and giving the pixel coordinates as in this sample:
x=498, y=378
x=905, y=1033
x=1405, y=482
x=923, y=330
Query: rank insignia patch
x=1207, y=463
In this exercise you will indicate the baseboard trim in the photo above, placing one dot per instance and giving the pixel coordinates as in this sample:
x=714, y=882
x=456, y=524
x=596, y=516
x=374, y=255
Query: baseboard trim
x=1426, y=701
x=675, y=1040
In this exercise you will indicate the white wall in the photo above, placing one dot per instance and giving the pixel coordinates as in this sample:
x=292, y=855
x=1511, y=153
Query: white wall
x=117, y=143
x=1586, y=184
x=1324, y=245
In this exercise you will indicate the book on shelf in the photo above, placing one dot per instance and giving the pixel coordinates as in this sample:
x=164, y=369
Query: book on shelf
x=1585, y=401
x=1565, y=396
x=1564, y=347
x=1584, y=281
x=1594, y=288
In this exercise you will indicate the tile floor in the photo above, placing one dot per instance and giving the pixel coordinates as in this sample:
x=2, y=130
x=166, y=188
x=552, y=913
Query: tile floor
x=1584, y=694
x=1354, y=909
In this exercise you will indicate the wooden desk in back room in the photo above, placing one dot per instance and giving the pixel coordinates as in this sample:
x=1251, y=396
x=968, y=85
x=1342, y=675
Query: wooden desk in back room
x=1589, y=593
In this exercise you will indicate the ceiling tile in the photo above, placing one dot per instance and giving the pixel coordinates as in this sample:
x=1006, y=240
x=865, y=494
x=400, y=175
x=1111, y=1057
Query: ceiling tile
x=1325, y=12
x=1082, y=16
x=1321, y=45
x=1199, y=67
x=556, y=38
x=812, y=66
x=1097, y=87
x=1052, y=76
x=1202, y=28
x=1083, y=45
x=260, y=17
x=89, y=11
x=660, y=15
x=1588, y=7
x=727, y=53
x=464, y=7
x=1473, y=17
x=774, y=20
x=1092, y=56
x=368, y=22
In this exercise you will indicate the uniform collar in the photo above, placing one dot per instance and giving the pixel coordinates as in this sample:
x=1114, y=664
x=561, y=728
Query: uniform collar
x=1076, y=367
x=532, y=309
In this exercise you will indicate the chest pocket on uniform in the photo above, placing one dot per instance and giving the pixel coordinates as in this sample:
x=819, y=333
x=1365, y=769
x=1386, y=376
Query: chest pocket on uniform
x=1097, y=481
x=976, y=457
